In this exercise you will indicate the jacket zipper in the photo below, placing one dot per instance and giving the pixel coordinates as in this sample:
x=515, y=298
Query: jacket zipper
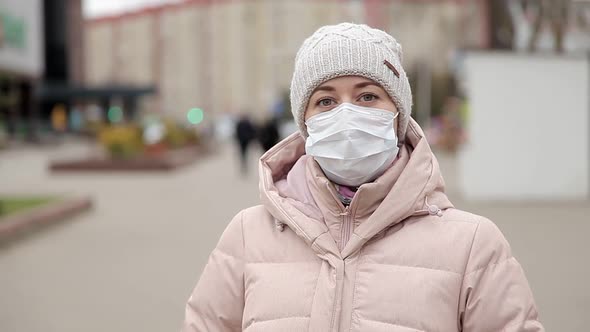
x=346, y=228
x=338, y=299
x=345, y=233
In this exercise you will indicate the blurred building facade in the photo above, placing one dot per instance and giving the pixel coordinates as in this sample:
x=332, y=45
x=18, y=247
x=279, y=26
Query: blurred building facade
x=21, y=61
x=42, y=69
x=229, y=56
x=44, y=46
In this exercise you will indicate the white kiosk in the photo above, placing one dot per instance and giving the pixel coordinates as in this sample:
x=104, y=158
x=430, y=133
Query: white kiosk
x=528, y=127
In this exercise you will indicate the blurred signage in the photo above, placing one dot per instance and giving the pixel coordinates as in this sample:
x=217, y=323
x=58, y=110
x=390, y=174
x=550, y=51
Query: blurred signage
x=21, y=38
x=12, y=31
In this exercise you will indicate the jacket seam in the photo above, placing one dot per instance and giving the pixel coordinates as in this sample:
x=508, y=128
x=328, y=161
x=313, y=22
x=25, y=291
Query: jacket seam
x=414, y=267
x=470, y=250
x=354, y=297
x=459, y=313
x=392, y=324
x=244, y=266
x=277, y=263
x=332, y=318
x=483, y=268
x=313, y=243
x=317, y=284
x=217, y=250
x=273, y=319
x=415, y=131
x=463, y=221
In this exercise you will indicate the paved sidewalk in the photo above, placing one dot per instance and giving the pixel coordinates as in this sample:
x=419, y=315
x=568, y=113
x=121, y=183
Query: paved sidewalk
x=130, y=264
x=550, y=240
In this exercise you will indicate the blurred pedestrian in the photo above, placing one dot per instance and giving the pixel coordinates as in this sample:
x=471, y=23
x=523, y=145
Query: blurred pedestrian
x=268, y=134
x=355, y=232
x=59, y=118
x=76, y=119
x=245, y=134
x=225, y=126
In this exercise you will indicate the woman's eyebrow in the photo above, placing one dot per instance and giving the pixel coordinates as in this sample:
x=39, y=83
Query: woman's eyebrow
x=324, y=88
x=365, y=84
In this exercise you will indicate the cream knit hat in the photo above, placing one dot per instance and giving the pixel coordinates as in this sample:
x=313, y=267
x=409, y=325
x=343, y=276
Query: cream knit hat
x=350, y=49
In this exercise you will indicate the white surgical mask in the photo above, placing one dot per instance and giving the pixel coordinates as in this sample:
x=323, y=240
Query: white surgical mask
x=352, y=144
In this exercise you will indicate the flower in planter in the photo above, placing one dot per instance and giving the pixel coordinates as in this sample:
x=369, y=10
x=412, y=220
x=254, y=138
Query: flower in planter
x=153, y=138
x=121, y=142
x=176, y=136
x=154, y=133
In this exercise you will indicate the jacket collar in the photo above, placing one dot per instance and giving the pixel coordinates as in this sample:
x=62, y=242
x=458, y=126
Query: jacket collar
x=414, y=186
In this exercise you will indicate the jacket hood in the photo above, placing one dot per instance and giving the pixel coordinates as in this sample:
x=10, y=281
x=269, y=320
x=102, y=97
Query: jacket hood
x=296, y=193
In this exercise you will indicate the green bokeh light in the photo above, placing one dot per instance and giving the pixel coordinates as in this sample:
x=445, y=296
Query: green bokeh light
x=115, y=114
x=195, y=116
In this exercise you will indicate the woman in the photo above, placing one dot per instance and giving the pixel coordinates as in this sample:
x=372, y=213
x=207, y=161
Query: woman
x=355, y=232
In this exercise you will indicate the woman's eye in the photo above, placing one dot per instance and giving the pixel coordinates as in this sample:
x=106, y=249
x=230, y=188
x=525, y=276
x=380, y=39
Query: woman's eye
x=325, y=102
x=368, y=97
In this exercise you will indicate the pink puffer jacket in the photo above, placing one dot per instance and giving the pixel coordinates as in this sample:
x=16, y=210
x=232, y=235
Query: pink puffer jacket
x=400, y=258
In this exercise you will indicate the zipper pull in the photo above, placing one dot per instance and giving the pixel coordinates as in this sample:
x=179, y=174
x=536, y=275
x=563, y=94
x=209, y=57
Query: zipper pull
x=346, y=211
x=279, y=225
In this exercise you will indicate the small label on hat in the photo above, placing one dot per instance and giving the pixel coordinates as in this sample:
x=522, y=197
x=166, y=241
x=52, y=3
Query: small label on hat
x=390, y=66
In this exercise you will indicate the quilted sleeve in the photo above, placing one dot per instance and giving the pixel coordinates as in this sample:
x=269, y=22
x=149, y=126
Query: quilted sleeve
x=495, y=294
x=217, y=302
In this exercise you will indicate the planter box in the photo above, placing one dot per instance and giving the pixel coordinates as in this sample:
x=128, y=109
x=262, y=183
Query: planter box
x=528, y=127
x=166, y=161
x=15, y=224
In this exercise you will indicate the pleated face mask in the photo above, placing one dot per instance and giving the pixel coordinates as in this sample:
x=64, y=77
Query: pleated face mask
x=352, y=144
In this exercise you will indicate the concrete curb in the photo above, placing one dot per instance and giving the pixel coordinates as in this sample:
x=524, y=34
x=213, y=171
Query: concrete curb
x=168, y=162
x=50, y=213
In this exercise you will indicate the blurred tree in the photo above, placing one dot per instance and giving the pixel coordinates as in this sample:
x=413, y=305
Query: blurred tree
x=554, y=13
x=502, y=26
x=582, y=19
x=581, y=14
x=558, y=13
